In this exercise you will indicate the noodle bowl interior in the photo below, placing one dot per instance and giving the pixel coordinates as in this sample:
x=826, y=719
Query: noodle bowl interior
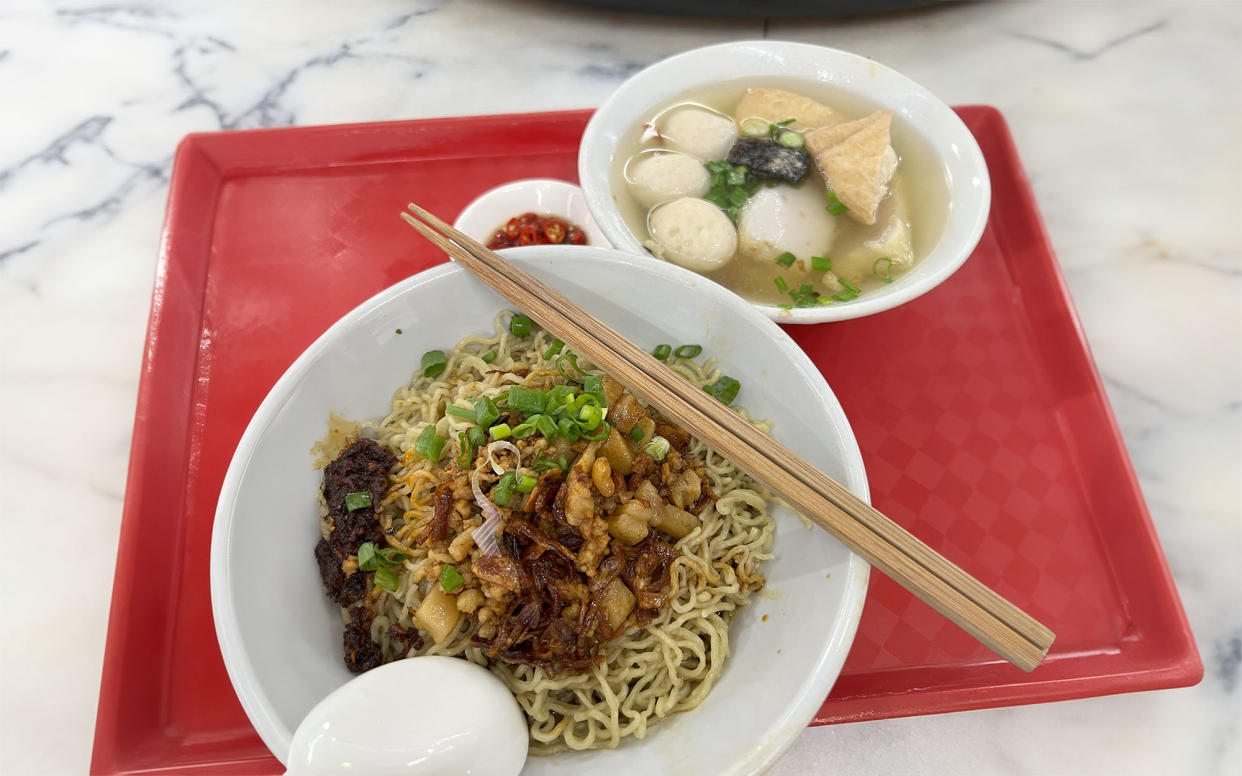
x=521, y=510
x=788, y=192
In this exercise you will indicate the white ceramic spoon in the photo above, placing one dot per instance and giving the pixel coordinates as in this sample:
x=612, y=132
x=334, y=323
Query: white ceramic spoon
x=422, y=715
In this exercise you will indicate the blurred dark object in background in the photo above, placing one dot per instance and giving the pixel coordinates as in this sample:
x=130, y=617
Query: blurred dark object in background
x=753, y=9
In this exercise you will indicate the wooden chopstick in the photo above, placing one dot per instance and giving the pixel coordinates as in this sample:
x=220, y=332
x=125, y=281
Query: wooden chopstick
x=983, y=613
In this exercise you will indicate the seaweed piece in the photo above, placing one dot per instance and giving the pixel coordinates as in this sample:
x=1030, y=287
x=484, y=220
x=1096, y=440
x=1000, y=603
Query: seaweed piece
x=765, y=158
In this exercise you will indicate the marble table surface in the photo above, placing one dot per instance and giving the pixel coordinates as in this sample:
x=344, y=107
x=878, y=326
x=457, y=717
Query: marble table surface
x=1128, y=117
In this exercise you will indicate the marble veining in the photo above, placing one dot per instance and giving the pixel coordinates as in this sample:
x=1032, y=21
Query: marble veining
x=1128, y=118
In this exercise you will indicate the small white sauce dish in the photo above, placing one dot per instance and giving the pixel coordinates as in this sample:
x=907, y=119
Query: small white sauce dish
x=915, y=110
x=543, y=196
x=436, y=716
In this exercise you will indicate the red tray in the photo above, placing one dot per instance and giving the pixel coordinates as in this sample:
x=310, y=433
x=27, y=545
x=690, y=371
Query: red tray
x=982, y=422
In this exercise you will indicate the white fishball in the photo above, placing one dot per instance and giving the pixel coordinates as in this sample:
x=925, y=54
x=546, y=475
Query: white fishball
x=700, y=133
x=785, y=219
x=693, y=233
x=655, y=178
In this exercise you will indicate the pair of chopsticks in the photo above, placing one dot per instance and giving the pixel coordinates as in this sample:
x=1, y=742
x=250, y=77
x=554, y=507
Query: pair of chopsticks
x=980, y=611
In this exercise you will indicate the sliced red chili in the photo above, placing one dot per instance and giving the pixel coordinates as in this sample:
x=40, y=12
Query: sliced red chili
x=554, y=231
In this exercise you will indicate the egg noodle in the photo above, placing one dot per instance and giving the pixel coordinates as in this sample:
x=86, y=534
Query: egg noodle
x=647, y=673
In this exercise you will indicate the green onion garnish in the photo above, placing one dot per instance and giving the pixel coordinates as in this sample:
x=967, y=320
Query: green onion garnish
x=526, y=483
x=594, y=386
x=485, y=411
x=500, y=431
x=884, y=273
x=572, y=360
x=636, y=433
x=465, y=451
x=450, y=580
x=476, y=436
x=520, y=325
x=503, y=492
x=488, y=357
x=780, y=284
x=662, y=352
x=601, y=433
x=370, y=559
x=387, y=579
x=850, y=291
x=790, y=139
x=835, y=206
x=460, y=412
x=725, y=389
x=434, y=363
x=527, y=400
x=569, y=429
x=782, y=124
x=430, y=444
x=357, y=500
x=688, y=351
x=553, y=349
x=560, y=396
x=545, y=425
x=545, y=465
x=398, y=331
x=657, y=448
x=367, y=559
x=821, y=264
x=850, y=286
x=786, y=259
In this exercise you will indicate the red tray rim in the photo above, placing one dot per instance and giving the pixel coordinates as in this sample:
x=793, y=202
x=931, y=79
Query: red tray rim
x=1175, y=667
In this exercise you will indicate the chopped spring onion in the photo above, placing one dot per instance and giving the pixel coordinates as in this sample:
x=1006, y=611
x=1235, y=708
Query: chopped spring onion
x=569, y=429
x=523, y=430
x=545, y=425
x=430, y=444
x=501, y=431
x=520, y=325
x=572, y=360
x=370, y=558
x=387, y=579
x=688, y=351
x=503, y=492
x=786, y=259
x=357, y=500
x=821, y=264
x=527, y=400
x=850, y=291
x=485, y=411
x=662, y=352
x=461, y=412
x=488, y=357
x=556, y=347
x=434, y=363
x=465, y=451
x=885, y=272
x=450, y=580
x=790, y=139
x=526, y=483
x=725, y=389
x=755, y=127
x=657, y=448
x=780, y=284
x=835, y=206
x=601, y=433
x=476, y=436
x=398, y=331
x=595, y=387
x=559, y=463
x=560, y=396
x=636, y=433
x=783, y=123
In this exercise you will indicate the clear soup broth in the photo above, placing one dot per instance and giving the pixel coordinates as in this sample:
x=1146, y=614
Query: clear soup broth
x=917, y=196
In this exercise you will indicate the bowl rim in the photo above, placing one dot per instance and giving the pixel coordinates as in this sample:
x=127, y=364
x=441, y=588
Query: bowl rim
x=965, y=225
x=819, y=681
